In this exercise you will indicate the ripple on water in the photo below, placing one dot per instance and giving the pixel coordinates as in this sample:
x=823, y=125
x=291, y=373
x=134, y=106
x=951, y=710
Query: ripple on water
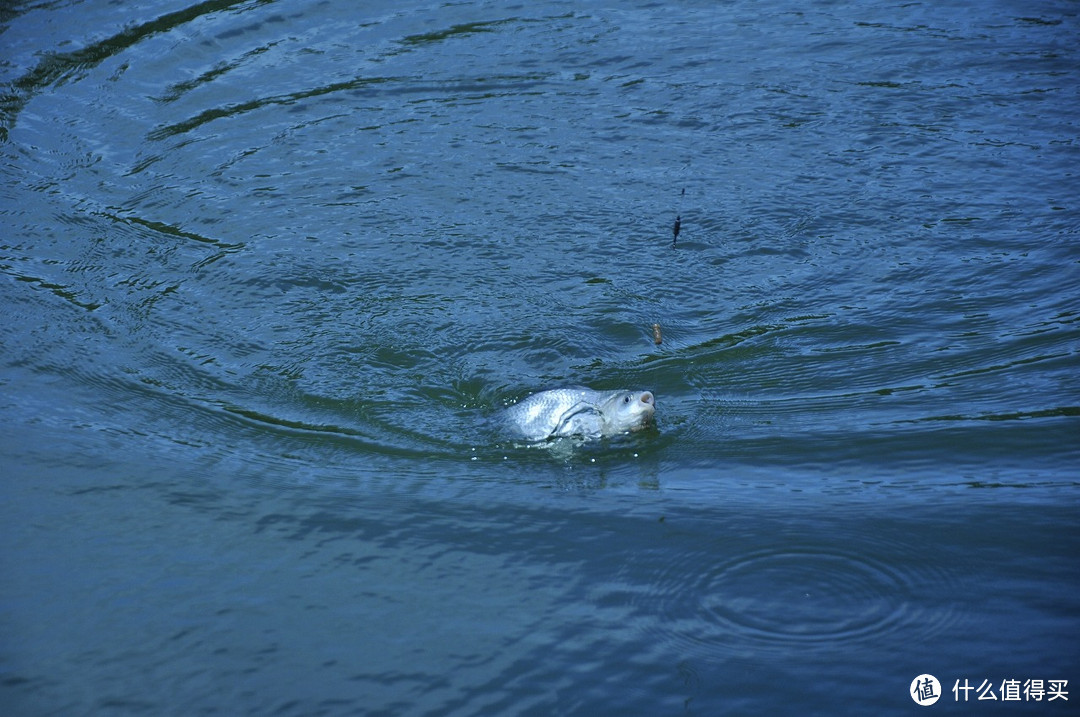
x=804, y=593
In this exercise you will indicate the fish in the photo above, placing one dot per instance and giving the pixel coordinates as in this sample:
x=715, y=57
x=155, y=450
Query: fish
x=579, y=412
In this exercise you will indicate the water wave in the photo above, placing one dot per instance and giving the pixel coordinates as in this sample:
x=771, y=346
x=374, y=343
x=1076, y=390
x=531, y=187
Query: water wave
x=798, y=591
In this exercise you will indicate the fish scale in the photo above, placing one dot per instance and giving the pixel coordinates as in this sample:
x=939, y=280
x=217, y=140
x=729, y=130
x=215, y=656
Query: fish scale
x=583, y=412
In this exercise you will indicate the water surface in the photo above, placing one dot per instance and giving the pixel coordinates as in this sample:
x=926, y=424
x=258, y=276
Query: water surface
x=271, y=268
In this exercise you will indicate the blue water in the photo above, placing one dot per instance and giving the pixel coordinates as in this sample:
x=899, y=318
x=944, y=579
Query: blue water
x=271, y=269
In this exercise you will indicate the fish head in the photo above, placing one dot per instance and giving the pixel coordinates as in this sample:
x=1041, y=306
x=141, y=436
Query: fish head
x=628, y=411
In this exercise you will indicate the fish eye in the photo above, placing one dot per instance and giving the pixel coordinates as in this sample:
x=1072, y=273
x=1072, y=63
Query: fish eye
x=626, y=398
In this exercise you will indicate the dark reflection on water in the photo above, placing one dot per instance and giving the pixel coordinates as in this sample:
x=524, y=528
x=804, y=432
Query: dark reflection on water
x=426, y=598
x=271, y=269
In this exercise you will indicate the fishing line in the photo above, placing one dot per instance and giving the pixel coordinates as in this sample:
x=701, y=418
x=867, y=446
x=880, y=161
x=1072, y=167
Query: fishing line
x=677, y=226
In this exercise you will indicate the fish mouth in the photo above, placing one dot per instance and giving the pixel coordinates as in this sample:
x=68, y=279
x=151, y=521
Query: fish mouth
x=647, y=409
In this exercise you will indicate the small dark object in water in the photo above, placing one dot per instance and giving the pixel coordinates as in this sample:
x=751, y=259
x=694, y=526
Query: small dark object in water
x=675, y=229
x=656, y=336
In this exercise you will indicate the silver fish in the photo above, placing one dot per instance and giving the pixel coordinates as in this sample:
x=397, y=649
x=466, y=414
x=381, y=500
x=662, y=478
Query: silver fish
x=564, y=412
